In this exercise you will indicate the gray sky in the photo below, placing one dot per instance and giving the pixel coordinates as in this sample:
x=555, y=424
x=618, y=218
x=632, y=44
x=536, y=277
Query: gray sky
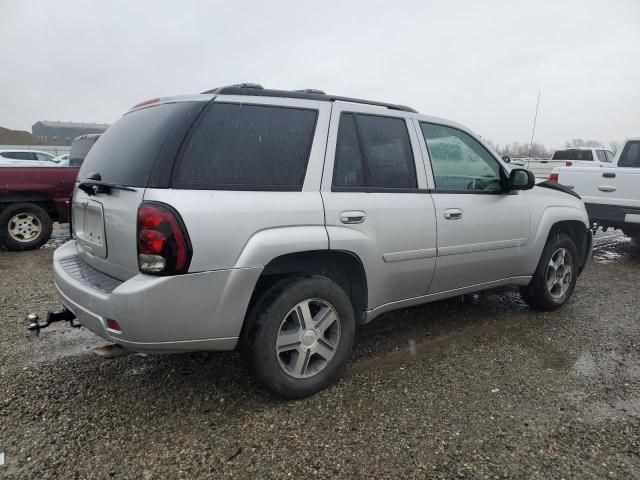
x=478, y=62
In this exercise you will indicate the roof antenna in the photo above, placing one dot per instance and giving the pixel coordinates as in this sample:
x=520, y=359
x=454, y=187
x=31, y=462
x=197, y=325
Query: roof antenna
x=535, y=119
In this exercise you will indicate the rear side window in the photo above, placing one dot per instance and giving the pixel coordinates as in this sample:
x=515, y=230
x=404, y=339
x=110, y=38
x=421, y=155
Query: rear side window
x=247, y=147
x=126, y=152
x=373, y=152
x=630, y=156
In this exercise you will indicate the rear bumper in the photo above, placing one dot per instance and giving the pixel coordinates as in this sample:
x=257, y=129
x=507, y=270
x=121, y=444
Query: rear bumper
x=193, y=312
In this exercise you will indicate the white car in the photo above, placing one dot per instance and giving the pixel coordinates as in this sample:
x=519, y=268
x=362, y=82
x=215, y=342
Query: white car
x=62, y=160
x=611, y=193
x=566, y=157
x=26, y=158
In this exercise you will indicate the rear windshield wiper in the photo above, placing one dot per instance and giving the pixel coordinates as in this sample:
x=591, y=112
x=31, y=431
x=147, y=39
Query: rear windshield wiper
x=92, y=187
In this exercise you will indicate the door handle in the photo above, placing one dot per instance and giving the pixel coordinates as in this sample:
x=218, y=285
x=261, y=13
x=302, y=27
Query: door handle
x=453, y=214
x=609, y=175
x=606, y=188
x=353, y=216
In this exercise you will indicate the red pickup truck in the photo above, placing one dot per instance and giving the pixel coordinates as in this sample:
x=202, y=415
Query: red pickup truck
x=31, y=199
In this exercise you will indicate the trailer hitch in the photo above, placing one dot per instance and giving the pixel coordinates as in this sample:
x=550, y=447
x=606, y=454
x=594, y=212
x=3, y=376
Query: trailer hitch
x=62, y=315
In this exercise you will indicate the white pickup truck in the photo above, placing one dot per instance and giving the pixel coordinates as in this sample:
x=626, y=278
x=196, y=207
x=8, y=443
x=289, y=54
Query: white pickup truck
x=566, y=157
x=611, y=193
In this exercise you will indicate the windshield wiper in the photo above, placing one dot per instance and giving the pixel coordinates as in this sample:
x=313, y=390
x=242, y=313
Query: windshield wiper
x=92, y=187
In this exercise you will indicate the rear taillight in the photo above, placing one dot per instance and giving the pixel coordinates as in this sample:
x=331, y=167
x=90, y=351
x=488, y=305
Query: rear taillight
x=554, y=177
x=163, y=243
x=568, y=163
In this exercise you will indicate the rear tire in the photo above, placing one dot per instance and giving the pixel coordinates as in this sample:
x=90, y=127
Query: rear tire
x=299, y=336
x=24, y=226
x=555, y=278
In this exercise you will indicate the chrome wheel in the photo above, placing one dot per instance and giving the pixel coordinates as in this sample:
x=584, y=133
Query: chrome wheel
x=24, y=227
x=559, y=273
x=308, y=338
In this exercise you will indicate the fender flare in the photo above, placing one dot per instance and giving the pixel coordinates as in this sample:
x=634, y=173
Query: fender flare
x=551, y=216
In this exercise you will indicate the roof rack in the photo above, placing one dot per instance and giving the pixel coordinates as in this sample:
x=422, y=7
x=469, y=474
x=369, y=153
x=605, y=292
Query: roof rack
x=255, y=89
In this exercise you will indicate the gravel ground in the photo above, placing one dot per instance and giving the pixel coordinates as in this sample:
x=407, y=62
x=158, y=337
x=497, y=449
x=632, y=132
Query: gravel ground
x=474, y=387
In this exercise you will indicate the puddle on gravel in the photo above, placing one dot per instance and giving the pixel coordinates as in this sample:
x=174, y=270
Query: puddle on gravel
x=59, y=235
x=57, y=342
x=612, y=247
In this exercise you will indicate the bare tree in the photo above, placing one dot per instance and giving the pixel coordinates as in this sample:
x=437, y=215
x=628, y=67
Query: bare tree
x=614, y=145
x=578, y=142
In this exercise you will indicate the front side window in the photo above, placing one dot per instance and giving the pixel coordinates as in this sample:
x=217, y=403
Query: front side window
x=601, y=155
x=630, y=156
x=247, y=147
x=609, y=155
x=44, y=157
x=459, y=162
x=373, y=152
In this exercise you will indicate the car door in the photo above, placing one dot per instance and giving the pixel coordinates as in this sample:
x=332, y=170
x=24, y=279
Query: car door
x=626, y=180
x=482, y=231
x=376, y=200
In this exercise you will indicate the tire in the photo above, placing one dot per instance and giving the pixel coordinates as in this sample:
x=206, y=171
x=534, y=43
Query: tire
x=538, y=294
x=287, y=358
x=24, y=226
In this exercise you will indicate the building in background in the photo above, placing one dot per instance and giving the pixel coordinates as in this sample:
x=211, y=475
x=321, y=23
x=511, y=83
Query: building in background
x=62, y=133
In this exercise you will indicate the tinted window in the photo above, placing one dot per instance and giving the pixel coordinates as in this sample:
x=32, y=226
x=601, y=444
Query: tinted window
x=459, y=162
x=347, y=168
x=248, y=147
x=630, y=156
x=126, y=152
x=601, y=155
x=387, y=151
x=20, y=155
x=79, y=150
x=573, y=154
x=373, y=152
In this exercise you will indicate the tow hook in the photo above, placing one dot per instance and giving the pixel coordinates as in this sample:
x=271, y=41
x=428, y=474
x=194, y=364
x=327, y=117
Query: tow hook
x=62, y=315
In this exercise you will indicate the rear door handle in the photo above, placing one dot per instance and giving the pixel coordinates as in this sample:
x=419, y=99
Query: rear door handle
x=353, y=216
x=606, y=188
x=453, y=214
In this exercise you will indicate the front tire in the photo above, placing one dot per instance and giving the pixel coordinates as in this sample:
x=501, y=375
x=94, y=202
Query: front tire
x=24, y=226
x=555, y=278
x=300, y=334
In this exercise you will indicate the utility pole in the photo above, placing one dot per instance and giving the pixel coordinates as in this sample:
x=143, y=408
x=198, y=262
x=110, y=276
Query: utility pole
x=535, y=119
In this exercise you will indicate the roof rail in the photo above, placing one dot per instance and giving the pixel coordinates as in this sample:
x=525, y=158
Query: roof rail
x=237, y=85
x=308, y=94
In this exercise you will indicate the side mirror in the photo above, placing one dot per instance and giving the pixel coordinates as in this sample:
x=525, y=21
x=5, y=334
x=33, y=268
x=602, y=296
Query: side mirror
x=521, y=179
x=506, y=159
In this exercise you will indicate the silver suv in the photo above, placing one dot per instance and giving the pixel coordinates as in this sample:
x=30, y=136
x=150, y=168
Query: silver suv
x=276, y=221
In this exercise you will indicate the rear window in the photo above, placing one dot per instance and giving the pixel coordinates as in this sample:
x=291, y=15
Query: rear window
x=247, y=147
x=126, y=152
x=572, y=154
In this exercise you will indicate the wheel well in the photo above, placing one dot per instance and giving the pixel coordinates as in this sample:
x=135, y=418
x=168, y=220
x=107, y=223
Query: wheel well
x=40, y=199
x=577, y=231
x=344, y=268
